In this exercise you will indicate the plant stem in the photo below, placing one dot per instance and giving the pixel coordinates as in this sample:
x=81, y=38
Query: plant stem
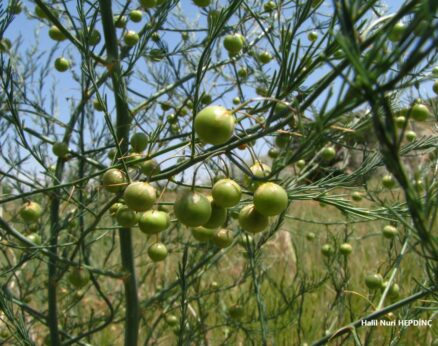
x=122, y=134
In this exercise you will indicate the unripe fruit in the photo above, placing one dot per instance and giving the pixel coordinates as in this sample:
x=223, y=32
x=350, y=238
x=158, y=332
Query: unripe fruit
x=140, y=196
x=223, y=238
x=264, y=57
x=114, y=180
x=113, y=209
x=62, y=64
x=192, y=209
x=205, y=99
x=259, y=170
x=356, y=196
x=269, y=6
x=226, y=193
x=251, y=220
x=120, y=21
x=312, y=36
x=126, y=217
x=234, y=43
x=389, y=231
x=56, y=34
x=388, y=181
x=328, y=153
x=270, y=199
x=273, y=153
x=282, y=140
x=310, y=236
x=147, y=4
x=214, y=125
x=419, y=112
x=327, y=250
x=218, y=216
x=236, y=101
x=60, y=149
x=397, y=32
x=242, y=73
x=153, y=221
x=410, y=136
x=131, y=38
x=301, y=164
x=236, y=312
x=150, y=167
x=79, y=277
x=139, y=142
x=374, y=281
x=202, y=3
x=171, y=320
x=345, y=249
x=94, y=37
x=394, y=290
x=136, y=16
x=98, y=106
x=157, y=252
x=400, y=121
x=34, y=238
x=203, y=234
x=30, y=212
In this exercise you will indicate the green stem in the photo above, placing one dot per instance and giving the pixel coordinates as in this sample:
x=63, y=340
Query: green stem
x=122, y=134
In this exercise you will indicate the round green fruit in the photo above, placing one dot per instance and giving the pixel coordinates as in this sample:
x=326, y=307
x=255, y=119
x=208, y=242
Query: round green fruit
x=310, y=236
x=120, y=21
x=114, y=180
x=154, y=221
x=192, y=209
x=202, y=3
x=218, y=216
x=394, y=290
x=171, y=320
x=270, y=199
x=62, y=64
x=78, y=277
x=251, y=220
x=234, y=43
x=356, y=196
x=236, y=311
x=397, y=32
x=126, y=217
x=114, y=208
x=139, y=142
x=273, y=153
x=388, y=181
x=282, y=140
x=374, y=281
x=157, y=252
x=411, y=136
x=150, y=167
x=312, y=36
x=389, y=231
x=131, y=38
x=264, y=57
x=223, y=238
x=400, y=121
x=327, y=250
x=140, y=196
x=345, y=249
x=226, y=193
x=242, y=73
x=30, y=212
x=94, y=37
x=203, y=234
x=419, y=112
x=301, y=164
x=56, y=34
x=328, y=153
x=214, y=125
x=34, y=238
x=98, y=106
x=136, y=16
x=60, y=149
x=236, y=101
x=259, y=170
x=269, y=6
x=148, y=4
